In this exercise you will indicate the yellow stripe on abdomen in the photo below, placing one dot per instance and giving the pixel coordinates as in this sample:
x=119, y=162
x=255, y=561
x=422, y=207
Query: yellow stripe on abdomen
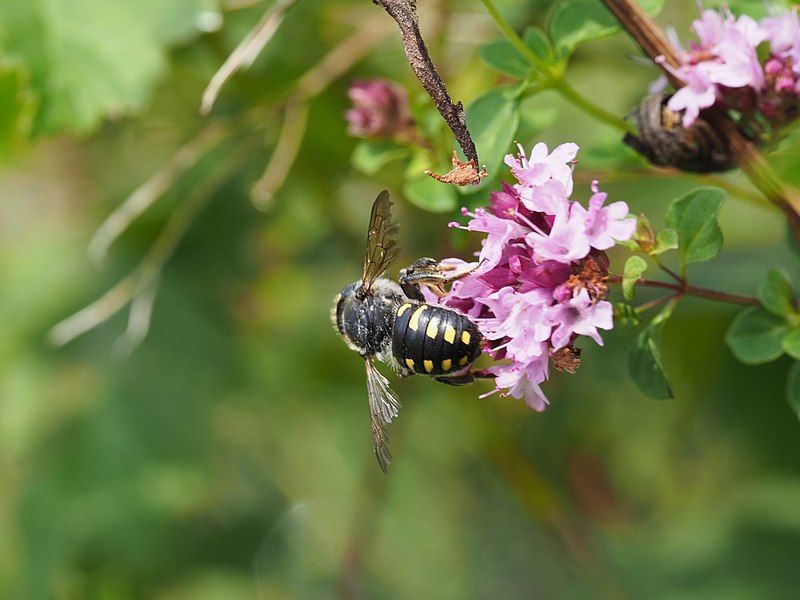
x=449, y=334
x=403, y=309
x=414, y=322
x=433, y=328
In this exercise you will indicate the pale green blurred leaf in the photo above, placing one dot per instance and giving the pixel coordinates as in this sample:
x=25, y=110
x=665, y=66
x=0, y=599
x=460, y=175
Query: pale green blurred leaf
x=370, y=156
x=776, y=295
x=431, y=195
x=644, y=358
x=92, y=59
x=755, y=336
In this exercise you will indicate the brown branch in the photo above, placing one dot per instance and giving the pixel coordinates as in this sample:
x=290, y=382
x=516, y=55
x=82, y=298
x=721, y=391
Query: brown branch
x=404, y=12
x=686, y=289
x=655, y=44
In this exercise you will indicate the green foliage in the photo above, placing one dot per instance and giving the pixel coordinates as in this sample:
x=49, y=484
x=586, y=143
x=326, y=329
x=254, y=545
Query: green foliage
x=503, y=56
x=776, y=295
x=667, y=239
x=791, y=343
x=694, y=217
x=17, y=106
x=577, y=21
x=644, y=358
x=493, y=119
x=370, y=156
x=83, y=66
x=430, y=195
x=631, y=272
x=755, y=336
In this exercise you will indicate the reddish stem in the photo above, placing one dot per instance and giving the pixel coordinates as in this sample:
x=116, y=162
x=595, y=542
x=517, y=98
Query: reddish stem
x=685, y=289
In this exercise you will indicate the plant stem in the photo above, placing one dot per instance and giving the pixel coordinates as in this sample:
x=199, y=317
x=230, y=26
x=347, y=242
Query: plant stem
x=512, y=36
x=572, y=95
x=686, y=289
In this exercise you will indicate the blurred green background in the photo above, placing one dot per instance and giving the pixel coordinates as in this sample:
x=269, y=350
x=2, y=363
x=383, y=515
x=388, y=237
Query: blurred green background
x=228, y=455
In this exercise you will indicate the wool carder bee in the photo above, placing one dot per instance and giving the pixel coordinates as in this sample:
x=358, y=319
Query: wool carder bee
x=390, y=321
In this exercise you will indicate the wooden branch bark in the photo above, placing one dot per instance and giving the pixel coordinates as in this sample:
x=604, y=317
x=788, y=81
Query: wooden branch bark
x=404, y=12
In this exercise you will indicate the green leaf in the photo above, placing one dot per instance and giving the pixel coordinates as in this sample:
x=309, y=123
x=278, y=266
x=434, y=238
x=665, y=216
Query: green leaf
x=576, y=21
x=644, y=358
x=776, y=295
x=633, y=269
x=431, y=195
x=793, y=388
x=755, y=336
x=537, y=41
x=694, y=217
x=791, y=343
x=17, y=106
x=370, y=156
x=92, y=59
x=493, y=119
x=666, y=239
x=501, y=56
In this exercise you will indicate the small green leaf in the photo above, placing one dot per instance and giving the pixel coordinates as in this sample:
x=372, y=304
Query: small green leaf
x=644, y=358
x=755, y=336
x=666, y=239
x=493, y=119
x=776, y=295
x=431, y=195
x=537, y=41
x=793, y=388
x=633, y=269
x=501, y=56
x=694, y=217
x=576, y=21
x=370, y=156
x=791, y=343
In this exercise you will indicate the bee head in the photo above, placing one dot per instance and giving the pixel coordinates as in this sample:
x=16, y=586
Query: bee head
x=344, y=297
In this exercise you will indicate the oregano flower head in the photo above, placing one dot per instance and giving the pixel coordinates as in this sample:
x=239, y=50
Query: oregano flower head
x=742, y=64
x=539, y=282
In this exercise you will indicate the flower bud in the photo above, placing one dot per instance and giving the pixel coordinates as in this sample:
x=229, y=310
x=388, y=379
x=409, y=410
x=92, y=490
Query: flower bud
x=380, y=109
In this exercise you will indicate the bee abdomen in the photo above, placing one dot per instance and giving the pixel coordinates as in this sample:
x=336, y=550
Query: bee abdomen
x=432, y=340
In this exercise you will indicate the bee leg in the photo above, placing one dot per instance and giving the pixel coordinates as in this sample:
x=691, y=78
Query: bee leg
x=464, y=378
x=427, y=271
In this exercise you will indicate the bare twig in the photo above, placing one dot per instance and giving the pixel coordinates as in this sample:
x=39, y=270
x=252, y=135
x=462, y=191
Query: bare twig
x=147, y=194
x=404, y=12
x=141, y=281
x=655, y=44
x=246, y=52
x=283, y=156
x=686, y=289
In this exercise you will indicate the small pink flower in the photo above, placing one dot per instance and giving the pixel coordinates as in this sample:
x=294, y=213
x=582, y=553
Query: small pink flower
x=580, y=315
x=541, y=167
x=605, y=226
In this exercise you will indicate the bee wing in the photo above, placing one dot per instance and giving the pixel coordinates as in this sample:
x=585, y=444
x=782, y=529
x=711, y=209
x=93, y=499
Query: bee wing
x=383, y=407
x=382, y=247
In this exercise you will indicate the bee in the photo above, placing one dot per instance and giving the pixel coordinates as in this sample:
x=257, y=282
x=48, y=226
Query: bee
x=391, y=322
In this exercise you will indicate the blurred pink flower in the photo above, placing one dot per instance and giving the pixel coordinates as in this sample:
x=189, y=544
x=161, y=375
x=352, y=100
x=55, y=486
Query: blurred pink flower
x=540, y=280
x=380, y=109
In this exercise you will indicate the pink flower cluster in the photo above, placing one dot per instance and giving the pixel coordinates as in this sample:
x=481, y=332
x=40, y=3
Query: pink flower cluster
x=725, y=66
x=540, y=277
x=380, y=109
